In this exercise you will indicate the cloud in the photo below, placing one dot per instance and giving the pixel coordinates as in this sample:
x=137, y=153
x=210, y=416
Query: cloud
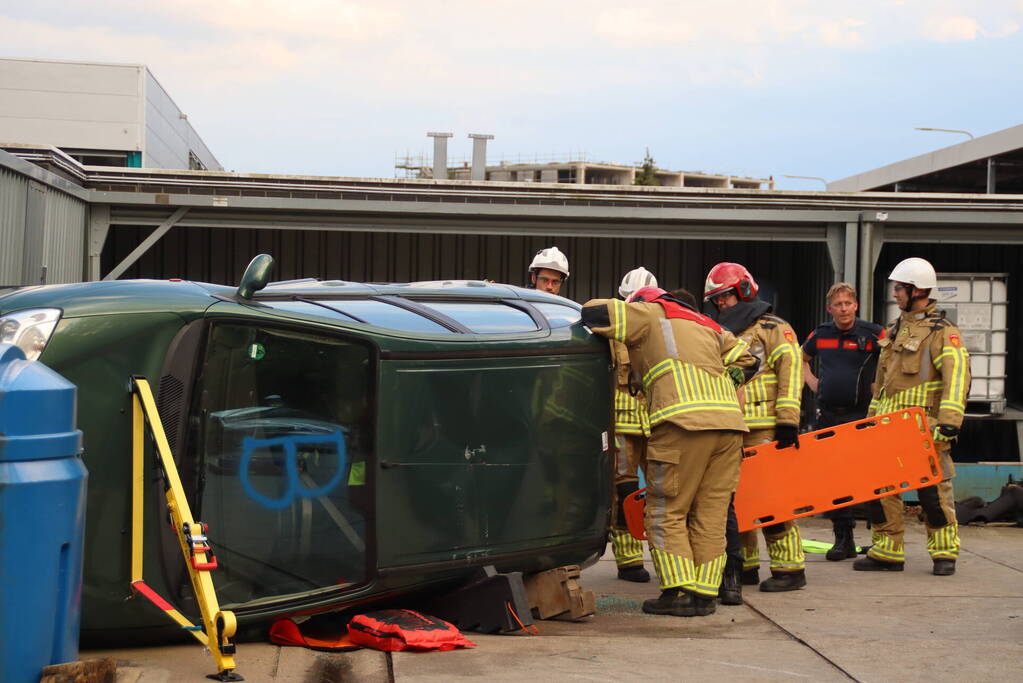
x=948, y=29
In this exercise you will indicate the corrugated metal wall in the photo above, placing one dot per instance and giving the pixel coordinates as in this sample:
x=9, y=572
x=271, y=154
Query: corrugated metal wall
x=795, y=275
x=13, y=188
x=63, y=252
x=42, y=232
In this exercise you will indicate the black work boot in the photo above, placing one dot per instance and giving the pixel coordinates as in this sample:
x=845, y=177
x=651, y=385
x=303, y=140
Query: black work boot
x=634, y=572
x=730, y=592
x=673, y=601
x=784, y=581
x=750, y=577
x=844, y=546
x=943, y=567
x=702, y=606
x=869, y=564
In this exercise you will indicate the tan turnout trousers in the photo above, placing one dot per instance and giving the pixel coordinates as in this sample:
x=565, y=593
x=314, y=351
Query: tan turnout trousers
x=691, y=476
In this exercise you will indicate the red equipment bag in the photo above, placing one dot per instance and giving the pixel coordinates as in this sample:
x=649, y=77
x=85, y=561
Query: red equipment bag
x=287, y=632
x=393, y=630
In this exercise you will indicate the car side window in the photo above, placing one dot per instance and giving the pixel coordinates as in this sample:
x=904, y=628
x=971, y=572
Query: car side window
x=285, y=436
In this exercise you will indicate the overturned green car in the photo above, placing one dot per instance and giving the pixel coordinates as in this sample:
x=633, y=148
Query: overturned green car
x=344, y=442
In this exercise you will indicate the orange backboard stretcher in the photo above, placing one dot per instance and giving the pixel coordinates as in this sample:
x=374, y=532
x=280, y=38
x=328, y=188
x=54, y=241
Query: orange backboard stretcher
x=833, y=468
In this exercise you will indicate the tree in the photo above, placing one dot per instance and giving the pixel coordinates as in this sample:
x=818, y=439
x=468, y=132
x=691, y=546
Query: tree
x=648, y=174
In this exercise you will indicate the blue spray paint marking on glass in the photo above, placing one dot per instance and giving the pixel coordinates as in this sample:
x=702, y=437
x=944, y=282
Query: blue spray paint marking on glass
x=290, y=445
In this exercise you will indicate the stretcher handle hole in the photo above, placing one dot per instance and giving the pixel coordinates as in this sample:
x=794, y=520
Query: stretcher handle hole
x=824, y=435
x=904, y=485
x=865, y=425
x=803, y=510
x=924, y=480
x=884, y=489
x=934, y=467
x=764, y=520
x=842, y=501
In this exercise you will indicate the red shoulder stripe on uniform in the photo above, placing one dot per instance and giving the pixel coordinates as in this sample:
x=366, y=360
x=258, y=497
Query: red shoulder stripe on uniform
x=674, y=310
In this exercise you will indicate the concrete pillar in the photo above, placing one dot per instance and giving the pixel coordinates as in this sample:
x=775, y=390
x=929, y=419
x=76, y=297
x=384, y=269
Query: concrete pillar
x=991, y=175
x=871, y=241
x=99, y=226
x=479, y=155
x=440, y=154
x=580, y=174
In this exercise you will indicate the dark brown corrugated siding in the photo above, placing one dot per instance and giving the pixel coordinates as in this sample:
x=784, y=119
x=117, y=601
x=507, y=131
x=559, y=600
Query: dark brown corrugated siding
x=793, y=275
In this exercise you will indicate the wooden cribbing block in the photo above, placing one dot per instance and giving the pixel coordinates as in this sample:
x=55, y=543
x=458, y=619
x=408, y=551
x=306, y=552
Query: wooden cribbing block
x=87, y=671
x=556, y=593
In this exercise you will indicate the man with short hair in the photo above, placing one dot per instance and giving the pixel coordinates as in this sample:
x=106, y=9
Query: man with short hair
x=548, y=270
x=923, y=363
x=845, y=350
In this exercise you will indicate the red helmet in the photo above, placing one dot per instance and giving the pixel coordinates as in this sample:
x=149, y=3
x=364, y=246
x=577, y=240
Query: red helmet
x=645, y=294
x=730, y=277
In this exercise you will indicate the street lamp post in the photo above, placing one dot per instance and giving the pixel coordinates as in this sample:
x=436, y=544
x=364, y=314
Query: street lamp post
x=808, y=177
x=948, y=130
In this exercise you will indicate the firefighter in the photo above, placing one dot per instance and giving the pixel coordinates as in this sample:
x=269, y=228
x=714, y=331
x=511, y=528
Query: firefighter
x=846, y=351
x=548, y=270
x=632, y=428
x=923, y=363
x=771, y=408
x=692, y=456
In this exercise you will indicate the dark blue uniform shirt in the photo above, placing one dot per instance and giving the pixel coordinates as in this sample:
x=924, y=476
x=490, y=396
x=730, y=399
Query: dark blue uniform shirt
x=847, y=363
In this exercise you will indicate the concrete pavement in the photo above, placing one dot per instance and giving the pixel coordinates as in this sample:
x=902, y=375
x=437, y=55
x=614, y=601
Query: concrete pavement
x=845, y=625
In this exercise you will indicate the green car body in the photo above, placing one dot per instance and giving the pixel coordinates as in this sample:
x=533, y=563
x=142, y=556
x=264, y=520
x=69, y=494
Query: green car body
x=346, y=443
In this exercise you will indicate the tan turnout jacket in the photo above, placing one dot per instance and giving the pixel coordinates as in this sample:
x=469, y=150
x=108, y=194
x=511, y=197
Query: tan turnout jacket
x=682, y=365
x=923, y=363
x=774, y=393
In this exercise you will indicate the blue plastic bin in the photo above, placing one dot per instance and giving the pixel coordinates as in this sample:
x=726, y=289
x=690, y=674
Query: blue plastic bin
x=42, y=518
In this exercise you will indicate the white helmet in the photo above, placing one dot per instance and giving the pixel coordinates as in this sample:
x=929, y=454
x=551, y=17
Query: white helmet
x=635, y=279
x=552, y=258
x=915, y=271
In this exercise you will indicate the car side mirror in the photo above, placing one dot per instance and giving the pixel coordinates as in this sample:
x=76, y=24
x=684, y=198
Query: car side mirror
x=255, y=276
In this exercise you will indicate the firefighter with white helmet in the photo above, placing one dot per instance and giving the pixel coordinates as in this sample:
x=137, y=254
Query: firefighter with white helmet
x=636, y=279
x=632, y=429
x=923, y=363
x=770, y=410
x=548, y=270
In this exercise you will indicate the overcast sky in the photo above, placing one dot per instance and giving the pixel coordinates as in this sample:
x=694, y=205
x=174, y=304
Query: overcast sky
x=750, y=87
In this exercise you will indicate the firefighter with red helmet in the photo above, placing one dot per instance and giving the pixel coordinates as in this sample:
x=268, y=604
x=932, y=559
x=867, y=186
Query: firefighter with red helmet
x=693, y=453
x=770, y=409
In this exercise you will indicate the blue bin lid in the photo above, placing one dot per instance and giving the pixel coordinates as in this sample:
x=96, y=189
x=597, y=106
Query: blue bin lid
x=37, y=410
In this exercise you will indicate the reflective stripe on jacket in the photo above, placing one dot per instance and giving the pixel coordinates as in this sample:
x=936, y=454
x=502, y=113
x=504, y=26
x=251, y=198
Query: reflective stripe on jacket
x=775, y=392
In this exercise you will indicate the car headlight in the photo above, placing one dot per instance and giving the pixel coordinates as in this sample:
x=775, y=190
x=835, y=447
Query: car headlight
x=29, y=330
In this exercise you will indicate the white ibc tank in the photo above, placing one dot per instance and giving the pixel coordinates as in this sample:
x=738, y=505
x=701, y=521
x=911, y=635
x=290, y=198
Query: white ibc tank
x=978, y=304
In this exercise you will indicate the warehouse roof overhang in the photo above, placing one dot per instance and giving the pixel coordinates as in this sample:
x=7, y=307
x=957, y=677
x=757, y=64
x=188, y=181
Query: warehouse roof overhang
x=994, y=160
x=236, y=200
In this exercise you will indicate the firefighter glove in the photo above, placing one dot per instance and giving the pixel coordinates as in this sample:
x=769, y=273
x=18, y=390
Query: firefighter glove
x=787, y=435
x=737, y=375
x=945, y=433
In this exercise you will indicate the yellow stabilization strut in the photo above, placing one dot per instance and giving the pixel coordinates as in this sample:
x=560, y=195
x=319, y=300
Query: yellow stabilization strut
x=217, y=631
